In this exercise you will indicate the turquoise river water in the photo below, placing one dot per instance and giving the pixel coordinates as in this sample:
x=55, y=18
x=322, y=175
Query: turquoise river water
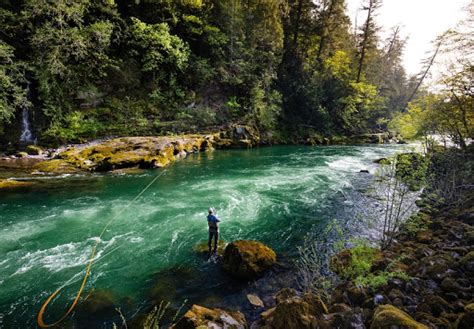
x=276, y=195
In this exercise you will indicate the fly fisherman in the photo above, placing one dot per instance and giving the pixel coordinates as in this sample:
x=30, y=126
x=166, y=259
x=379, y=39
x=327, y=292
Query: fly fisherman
x=213, y=223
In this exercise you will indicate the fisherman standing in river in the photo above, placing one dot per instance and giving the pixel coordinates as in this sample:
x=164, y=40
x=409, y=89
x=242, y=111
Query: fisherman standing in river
x=213, y=224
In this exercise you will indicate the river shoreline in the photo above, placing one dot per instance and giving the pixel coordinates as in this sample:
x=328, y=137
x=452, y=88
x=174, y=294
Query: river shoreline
x=129, y=153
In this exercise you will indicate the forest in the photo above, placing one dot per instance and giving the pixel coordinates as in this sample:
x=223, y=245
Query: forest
x=291, y=68
x=134, y=193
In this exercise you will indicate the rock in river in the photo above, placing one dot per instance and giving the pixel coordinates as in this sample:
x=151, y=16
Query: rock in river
x=199, y=316
x=248, y=259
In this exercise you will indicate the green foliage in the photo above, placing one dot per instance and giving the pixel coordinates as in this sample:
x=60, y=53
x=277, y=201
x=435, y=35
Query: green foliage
x=362, y=258
x=12, y=92
x=68, y=52
x=264, y=108
x=126, y=117
x=414, y=224
x=376, y=280
x=359, y=106
x=160, y=48
x=74, y=127
x=359, y=268
x=411, y=169
x=274, y=64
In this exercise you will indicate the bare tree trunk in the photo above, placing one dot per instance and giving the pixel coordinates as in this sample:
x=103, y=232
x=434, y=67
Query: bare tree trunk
x=423, y=76
x=364, y=40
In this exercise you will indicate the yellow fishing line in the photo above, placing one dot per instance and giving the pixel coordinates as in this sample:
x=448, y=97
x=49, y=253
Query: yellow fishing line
x=40, y=318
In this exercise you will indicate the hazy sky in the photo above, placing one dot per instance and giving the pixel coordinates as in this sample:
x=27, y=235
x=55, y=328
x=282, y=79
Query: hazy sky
x=421, y=20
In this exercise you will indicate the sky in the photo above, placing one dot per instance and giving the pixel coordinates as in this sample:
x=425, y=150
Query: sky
x=420, y=20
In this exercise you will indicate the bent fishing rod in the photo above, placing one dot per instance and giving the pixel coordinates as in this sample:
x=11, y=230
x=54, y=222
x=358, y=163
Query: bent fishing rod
x=40, y=318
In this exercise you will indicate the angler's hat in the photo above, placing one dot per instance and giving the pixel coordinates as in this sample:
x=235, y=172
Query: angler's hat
x=212, y=210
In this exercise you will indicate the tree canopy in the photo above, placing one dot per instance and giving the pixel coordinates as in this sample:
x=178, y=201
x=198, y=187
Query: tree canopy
x=151, y=66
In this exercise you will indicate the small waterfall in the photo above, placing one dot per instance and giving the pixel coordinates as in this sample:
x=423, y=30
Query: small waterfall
x=26, y=134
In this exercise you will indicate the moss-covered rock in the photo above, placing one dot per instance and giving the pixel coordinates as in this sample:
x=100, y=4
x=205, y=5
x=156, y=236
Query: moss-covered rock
x=467, y=261
x=388, y=316
x=247, y=259
x=127, y=152
x=56, y=166
x=10, y=183
x=199, y=316
x=34, y=150
x=295, y=312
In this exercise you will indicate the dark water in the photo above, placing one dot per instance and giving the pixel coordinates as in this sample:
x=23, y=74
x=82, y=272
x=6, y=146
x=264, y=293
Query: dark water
x=275, y=195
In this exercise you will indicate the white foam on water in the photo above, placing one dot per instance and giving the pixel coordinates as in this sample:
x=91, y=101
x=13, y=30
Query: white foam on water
x=347, y=164
x=64, y=256
x=137, y=239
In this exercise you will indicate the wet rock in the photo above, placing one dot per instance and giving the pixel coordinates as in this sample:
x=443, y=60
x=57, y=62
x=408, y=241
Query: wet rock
x=424, y=236
x=432, y=321
x=10, y=184
x=22, y=155
x=466, y=320
x=216, y=318
x=378, y=299
x=339, y=308
x=19, y=163
x=34, y=150
x=284, y=294
x=316, y=304
x=467, y=261
x=254, y=300
x=355, y=296
x=203, y=249
x=364, y=171
x=449, y=285
x=351, y=319
x=388, y=316
x=383, y=161
x=98, y=304
x=435, y=305
x=247, y=259
x=292, y=313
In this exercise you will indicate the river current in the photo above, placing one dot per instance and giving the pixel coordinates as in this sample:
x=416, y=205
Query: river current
x=276, y=195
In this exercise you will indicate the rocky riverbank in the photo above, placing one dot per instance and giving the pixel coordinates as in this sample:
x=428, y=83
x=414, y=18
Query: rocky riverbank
x=155, y=152
x=128, y=152
x=436, y=292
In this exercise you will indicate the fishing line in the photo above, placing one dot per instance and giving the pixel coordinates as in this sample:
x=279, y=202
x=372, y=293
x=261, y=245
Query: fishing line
x=40, y=317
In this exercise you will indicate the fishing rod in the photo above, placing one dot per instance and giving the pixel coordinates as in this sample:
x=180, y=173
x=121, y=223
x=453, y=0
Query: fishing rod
x=40, y=318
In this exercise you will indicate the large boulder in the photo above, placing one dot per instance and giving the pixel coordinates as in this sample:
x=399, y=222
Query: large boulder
x=34, y=150
x=388, y=316
x=247, y=259
x=199, y=316
x=295, y=313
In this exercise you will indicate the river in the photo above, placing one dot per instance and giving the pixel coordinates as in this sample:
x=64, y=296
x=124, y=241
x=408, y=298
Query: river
x=276, y=195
